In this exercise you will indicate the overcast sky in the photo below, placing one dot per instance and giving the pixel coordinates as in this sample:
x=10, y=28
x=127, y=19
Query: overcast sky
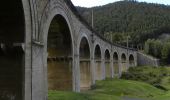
x=91, y=3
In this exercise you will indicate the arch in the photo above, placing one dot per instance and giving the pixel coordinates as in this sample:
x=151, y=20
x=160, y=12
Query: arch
x=107, y=63
x=97, y=52
x=116, y=64
x=97, y=58
x=84, y=48
x=60, y=56
x=115, y=56
x=85, y=72
x=12, y=37
x=131, y=61
x=123, y=57
x=123, y=62
x=107, y=54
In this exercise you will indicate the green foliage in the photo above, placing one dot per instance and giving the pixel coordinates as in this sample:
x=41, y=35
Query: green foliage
x=141, y=20
x=115, y=37
x=153, y=47
x=159, y=49
x=166, y=51
x=152, y=75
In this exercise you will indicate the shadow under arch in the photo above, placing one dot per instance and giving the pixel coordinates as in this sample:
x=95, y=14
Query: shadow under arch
x=12, y=39
x=60, y=59
x=107, y=64
x=98, y=60
x=85, y=69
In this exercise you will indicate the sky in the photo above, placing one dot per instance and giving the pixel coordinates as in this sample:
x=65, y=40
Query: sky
x=91, y=3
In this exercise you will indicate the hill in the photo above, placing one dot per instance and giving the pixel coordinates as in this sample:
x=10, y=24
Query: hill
x=139, y=20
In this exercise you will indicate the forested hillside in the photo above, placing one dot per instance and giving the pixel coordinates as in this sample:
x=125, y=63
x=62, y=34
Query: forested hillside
x=139, y=20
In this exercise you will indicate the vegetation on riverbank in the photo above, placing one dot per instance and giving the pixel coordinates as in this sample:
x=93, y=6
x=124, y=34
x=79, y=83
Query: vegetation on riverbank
x=156, y=76
x=117, y=89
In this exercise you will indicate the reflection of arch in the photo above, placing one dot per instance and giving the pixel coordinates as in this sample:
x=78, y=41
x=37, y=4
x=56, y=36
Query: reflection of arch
x=116, y=63
x=97, y=58
x=131, y=61
x=59, y=55
x=107, y=63
x=12, y=36
x=85, y=75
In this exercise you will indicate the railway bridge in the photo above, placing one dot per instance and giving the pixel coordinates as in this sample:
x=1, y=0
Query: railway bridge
x=46, y=45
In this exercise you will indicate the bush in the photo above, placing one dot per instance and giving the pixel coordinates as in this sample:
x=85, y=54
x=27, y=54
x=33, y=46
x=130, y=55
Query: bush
x=158, y=49
x=166, y=51
x=151, y=75
x=153, y=47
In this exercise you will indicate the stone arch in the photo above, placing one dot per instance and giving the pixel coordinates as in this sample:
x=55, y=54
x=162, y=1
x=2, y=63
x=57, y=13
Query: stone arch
x=47, y=18
x=123, y=57
x=98, y=60
x=116, y=63
x=123, y=62
x=84, y=64
x=107, y=64
x=97, y=52
x=131, y=61
x=12, y=55
x=60, y=59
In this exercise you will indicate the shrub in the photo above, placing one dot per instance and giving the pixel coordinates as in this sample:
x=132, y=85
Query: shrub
x=151, y=75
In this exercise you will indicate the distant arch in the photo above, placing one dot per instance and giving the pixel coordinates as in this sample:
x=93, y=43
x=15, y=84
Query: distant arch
x=84, y=48
x=107, y=64
x=97, y=59
x=131, y=61
x=107, y=54
x=123, y=57
x=97, y=52
x=116, y=64
x=123, y=62
x=85, y=69
x=115, y=56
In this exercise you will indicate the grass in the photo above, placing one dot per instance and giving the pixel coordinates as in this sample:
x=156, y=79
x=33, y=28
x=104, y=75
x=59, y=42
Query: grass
x=115, y=89
x=165, y=82
x=63, y=95
x=127, y=88
x=166, y=96
x=110, y=89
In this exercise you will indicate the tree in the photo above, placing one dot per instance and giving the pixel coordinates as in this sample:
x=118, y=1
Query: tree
x=153, y=47
x=166, y=51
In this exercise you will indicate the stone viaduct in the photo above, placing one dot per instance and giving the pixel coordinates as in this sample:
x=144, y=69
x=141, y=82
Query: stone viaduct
x=46, y=45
